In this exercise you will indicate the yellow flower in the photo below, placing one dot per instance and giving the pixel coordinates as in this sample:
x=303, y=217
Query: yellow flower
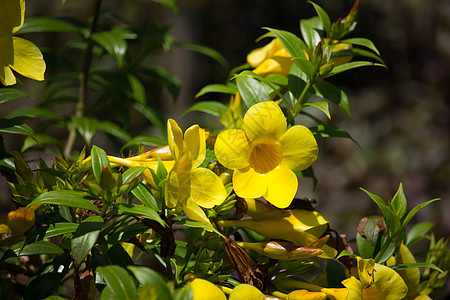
x=189, y=185
x=205, y=290
x=306, y=295
x=376, y=282
x=273, y=58
x=16, y=53
x=247, y=292
x=264, y=155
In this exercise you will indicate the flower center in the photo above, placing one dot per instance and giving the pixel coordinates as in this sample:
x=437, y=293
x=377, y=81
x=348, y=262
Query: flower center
x=265, y=157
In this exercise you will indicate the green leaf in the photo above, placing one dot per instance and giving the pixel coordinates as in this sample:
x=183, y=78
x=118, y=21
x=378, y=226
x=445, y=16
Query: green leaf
x=144, y=195
x=118, y=256
x=140, y=210
x=197, y=224
x=185, y=293
x=413, y=211
x=323, y=17
x=51, y=231
x=137, y=89
x=398, y=203
x=42, y=24
x=118, y=280
x=362, y=42
x=65, y=198
x=146, y=140
x=329, y=91
x=335, y=274
x=392, y=221
x=365, y=249
x=306, y=66
x=8, y=94
x=33, y=112
x=86, y=127
x=40, y=247
x=147, y=276
x=217, y=88
x=132, y=173
x=151, y=115
x=353, y=65
x=251, y=90
x=85, y=237
x=322, y=105
x=312, y=31
x=387, y=253
x=40, y=139
x=417, y=265
x=290, y=41
x=165, y=78
x=205, y=51
x=114, y=130
x=99, y=159
x=169, y=3
x=113, y=43
x=15, y=126
x=209, y=107
x=417, y=232
x=327, y=131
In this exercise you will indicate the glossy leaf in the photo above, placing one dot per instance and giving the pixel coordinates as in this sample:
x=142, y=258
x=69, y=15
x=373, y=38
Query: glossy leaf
x=324, y=18
x=398, y=203
x=290, y=41
x=362, y=42
x=99, y=160
x=33, y=112
x=217, y=88
x=42, y=24
x=15, y=126
x=418, y=232
x=8, y=94
x=38, y=248
x=85, y=237
x=86, y=127
x=144, y=195
x=137, y=89
x=196, y=224
x=66, y=198
x=203, y=50
x=39, y=140
x=365, y=249
x=147, y=276
x=132, y=173
x=322, y=105
x=353, y=65
x=209, y=107
x=119, y=282
x=113, y=43
x=413, y=211
x=251, y=90
x=140, y=210
x=311, y=31
x=51, y=231
x=306, y=66
x=332, y=93
x=327, y=131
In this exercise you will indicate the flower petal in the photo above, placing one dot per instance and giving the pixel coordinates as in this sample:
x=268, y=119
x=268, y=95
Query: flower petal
x=175, y=138
x=299, y=148
x=365, y=271
x=207, y=189
x=194, y=212
x=354, y=288
x=195, y=143
x=6, y=76
x=249, y=184
x=11, y=16
x=388, y=285
x=274, y=65
x=231, y=149
x=172, y=189
x=264, y=119
x=28, y=59
x=282, y=185
x=336, y=293
x=258, y=55
x=246, y=291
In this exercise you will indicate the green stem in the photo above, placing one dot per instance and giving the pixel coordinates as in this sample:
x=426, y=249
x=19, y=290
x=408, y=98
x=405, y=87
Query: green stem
x=302, y=99
x=79, y=109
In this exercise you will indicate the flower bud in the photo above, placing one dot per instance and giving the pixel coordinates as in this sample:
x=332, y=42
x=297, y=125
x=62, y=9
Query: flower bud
x=21, y=220
x=205, y=290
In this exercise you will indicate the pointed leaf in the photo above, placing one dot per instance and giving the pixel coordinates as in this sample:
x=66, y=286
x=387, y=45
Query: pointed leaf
x=15, y=126
x=312, y=31
x=209, y=107
x=323, y=17
x=207, y=51
x=362, y=42
x=398, y=203
x=140, y=210
x=353, y=65
x=217, y=88
x=42, y=24
x=38, y=248
x=251, y=90
x=99, y=160
x=322, y=105
x=306, y=66
x=413, y=211
x=65, y=198
x=8, y=94
x=418, y=232
x=85, y=237
x=290, y=41
x=327, y=131
x=114, y=130
x=86, y=127
x=149, y=277
x=151, y=115
x=119, y=282
x=329, y=91
x=113, y=43
x=144, y=195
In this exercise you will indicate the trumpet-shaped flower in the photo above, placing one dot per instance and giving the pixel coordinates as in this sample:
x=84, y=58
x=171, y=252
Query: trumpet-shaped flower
x=16, y=53
x=189, y=185
x=376, y=282
x=264, y=155
x=273, y=58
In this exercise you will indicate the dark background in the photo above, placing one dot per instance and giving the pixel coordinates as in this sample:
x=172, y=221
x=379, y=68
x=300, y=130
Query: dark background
x=401, y=117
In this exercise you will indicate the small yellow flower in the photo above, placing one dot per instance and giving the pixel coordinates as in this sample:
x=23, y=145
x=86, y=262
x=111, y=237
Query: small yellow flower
x=273, y=58
x=16, y=53
x=264, y=155
x=189, y=185
x=246, y=292
x=206, y=290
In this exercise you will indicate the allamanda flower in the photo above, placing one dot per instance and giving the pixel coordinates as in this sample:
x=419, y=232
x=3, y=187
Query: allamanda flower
x=16, y=53
x=273, y=58
x=264, y=155
x=189, y=185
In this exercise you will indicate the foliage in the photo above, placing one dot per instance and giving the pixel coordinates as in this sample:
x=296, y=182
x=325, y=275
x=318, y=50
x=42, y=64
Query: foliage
x=168, y=223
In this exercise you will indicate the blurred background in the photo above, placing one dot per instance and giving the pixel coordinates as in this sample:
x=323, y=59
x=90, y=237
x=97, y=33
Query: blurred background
x=400, y=116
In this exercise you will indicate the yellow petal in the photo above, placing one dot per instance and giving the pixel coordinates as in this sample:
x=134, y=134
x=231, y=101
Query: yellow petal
x=231, y=149
x=249, y=184
x=354, y=288
x=194, y=212
x=195, y=142
x=172, y=189
x=257, y=56
x=388, y=285
x=282, y=185
x=264, y=120
x=336, y=293
x=278, y=50
x=299, y=148
x=274, y=65
x=11, y=16
x=28, y=59
x=365, y=271
x=206, y=290
x=411, y=276
x=175, y=138
x=247, y=292
x=6, y=76
x=306, y=295
x=207, y=189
